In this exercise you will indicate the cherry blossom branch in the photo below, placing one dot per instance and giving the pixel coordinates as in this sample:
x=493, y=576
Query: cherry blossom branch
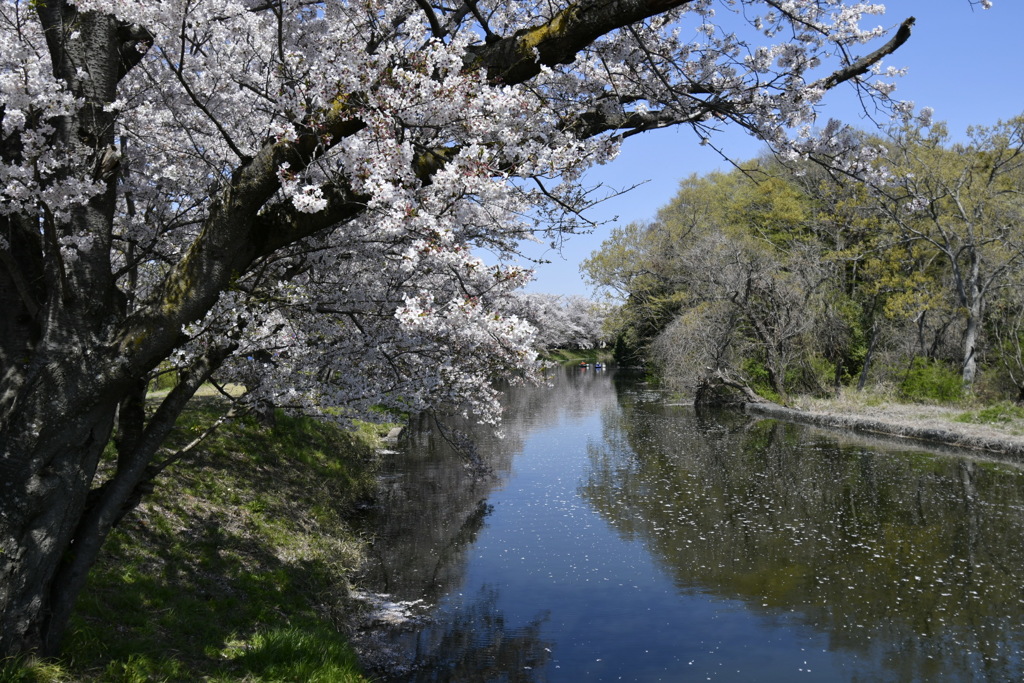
x=235, y=232
x=521, y=56
x=435, y=25
x=862, y=65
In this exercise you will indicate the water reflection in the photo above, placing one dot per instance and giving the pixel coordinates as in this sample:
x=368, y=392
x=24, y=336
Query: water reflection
x=909, y=560
x=432, y=504
x=432, y=501
x=622, y=538
x=477, y=645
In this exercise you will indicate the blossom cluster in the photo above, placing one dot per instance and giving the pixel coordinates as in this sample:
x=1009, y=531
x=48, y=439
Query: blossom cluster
x=406, y=300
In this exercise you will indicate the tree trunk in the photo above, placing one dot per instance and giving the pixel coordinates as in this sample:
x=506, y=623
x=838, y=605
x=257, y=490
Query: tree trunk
x=776, y=377
x=973, y=305
x=862, y=381
x=58, y=389
x=52, y=534
x=970, y=364
x=47, y=474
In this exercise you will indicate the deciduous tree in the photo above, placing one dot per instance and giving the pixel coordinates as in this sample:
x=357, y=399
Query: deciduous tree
x=963, y=205
x=564, y=322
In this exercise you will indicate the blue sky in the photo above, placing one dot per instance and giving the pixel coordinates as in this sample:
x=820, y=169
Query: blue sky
x=964, y=62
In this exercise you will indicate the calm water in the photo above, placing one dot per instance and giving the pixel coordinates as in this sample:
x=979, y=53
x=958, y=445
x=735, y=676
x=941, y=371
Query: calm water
x=622, y=538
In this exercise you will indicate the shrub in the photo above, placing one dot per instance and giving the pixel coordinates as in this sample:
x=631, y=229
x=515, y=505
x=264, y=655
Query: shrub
x=758, y=377
x=931, y=380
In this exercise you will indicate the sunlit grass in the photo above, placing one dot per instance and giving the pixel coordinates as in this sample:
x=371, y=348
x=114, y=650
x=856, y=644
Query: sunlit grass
x=31, y=670
x=295, y=654
x=1002, y=418
x=997, y=414
x=236, y=567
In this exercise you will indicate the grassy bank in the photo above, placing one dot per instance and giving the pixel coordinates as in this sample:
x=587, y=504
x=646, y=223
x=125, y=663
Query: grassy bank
x=234, y=568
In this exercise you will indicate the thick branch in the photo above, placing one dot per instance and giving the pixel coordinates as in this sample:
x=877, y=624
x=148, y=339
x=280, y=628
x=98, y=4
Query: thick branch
x=233, y=236
x=435, y=25
x=591, y=123
x=599, y=121
x=862, y=65
x=283, y=225
x=520, y=57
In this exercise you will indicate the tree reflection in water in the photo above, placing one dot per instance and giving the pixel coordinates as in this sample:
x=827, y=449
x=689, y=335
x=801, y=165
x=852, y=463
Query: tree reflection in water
x=908, y=559
x=432, y=504
x=635, y=528
x=477, y=646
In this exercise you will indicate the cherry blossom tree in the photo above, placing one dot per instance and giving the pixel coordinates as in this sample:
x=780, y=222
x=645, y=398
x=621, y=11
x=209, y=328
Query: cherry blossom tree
x=564, y=322
x=298, y=197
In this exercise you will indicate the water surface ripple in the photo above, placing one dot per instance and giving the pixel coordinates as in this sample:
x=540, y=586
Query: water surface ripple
x=623, y=538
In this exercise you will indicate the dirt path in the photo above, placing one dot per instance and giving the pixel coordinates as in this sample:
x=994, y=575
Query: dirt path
x=930, y=424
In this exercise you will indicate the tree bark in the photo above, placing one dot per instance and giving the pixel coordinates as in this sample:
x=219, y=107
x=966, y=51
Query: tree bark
x=868, y=356
x=108, y=504
x=62, y=379
x=973, y=304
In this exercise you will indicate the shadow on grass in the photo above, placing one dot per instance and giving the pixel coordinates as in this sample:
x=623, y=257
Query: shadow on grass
x=234, y=569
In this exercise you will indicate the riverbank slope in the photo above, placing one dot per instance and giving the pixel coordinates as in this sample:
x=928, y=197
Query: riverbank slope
x=236, y=567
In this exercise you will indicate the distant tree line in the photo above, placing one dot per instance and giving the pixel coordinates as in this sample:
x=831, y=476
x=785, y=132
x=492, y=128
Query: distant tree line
x=907, y=270
x=564, y=322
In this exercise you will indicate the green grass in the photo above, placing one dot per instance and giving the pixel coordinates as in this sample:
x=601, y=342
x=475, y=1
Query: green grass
x=236, y=567
x=17, y=671
x=295, y=654
x=998, y=414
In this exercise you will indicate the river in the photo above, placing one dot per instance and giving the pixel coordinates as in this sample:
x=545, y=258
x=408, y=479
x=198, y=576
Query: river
x=621, y=537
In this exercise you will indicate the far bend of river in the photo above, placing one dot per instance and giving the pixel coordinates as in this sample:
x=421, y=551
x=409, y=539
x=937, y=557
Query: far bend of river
x=623, y=538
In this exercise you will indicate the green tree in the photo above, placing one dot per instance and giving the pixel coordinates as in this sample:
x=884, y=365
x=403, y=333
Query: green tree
x=959, y=208
x=790, y=270
x=730, y=282
x=642, y=264
x=1005, y=325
